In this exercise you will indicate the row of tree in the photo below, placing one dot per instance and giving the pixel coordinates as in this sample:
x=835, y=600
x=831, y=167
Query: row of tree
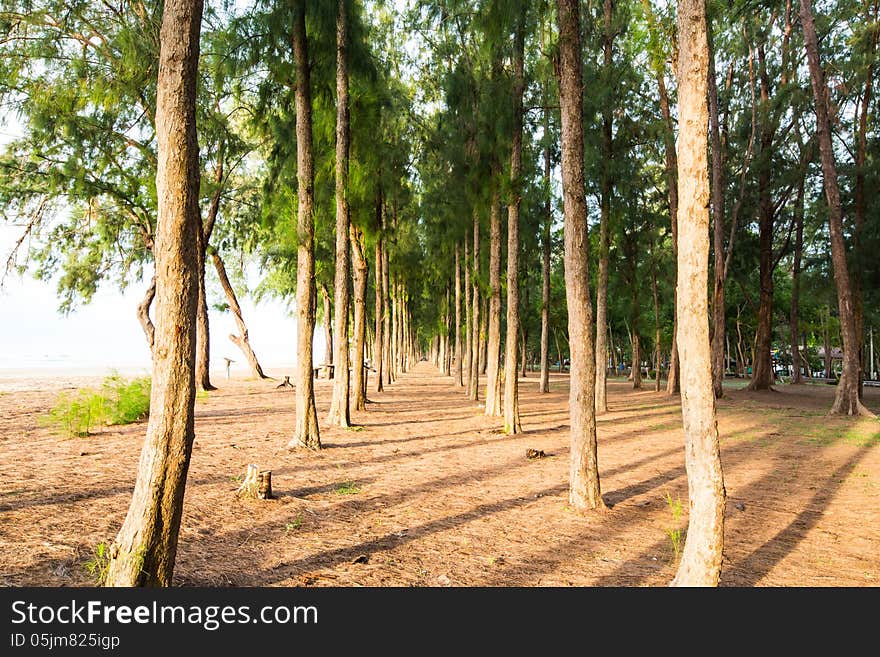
x=419, y=129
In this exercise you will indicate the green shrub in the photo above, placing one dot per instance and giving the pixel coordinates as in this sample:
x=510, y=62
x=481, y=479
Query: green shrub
x=120, y=401
x=127, y=401
x=74, y=415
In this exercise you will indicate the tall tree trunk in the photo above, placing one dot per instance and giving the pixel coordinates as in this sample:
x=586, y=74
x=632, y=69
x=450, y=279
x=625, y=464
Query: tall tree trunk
x=607, y=187
x=395, y=331
x=673, y=383
x=474, y=390
x=203, y=333
x=859, y=204
x=584, y=486
x=762, y=370
x=360, y=272
x=404, y=329
x=846, y=400
x=826, y=335
x=718, y=320
x=484, y=313
x=386, y=307
x=763, y=374
x=340, y=412
x=544, y=385
x=328, y=327
x=512, y=422
x=306, y=433
x=145, y=549
x=701, y=558
x=241, y=340
x=493, y=319
x=468, y=323
x=656, y=325
x=794, y=319
x=444, y=335
x=458, y=365
x=637, y=362
x=378, y=349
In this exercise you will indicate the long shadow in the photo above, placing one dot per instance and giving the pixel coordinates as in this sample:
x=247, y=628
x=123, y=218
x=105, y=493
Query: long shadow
x=318, y=490
x=548, y=559
x=613, y=419
x=94, y=494
x=235, y=413
x=383, y=501
x=370, y=425
x=391, y=540
x=66, y=498
x=760, y=562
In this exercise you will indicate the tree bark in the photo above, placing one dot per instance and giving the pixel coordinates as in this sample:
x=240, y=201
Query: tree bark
x=493, y=318
x=544, y=384
x=340, y=410
x=474, y=390
x=328, y=327
x=846, y=400
x=794, y=319
x=656, y=325
x=360, y=272
x=203, y=333
x=457, y=378
x=512, y=422
x=637, y=362
x=469, y=321
x=859, y=203
x=702, y=554
x=306, y=432
x=718, y=309
x=606, y=189
x=395, y=323
x=379, y=348
x=673, y=383
x=241, y=340
x=484, y=313
x=762, y=369
x=584, y=486
x=143, y=313
x=145, y=549
x=386, y=307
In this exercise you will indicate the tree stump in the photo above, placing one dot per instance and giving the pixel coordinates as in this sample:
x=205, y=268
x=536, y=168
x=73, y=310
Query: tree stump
x=285, y=384
x=257, y=484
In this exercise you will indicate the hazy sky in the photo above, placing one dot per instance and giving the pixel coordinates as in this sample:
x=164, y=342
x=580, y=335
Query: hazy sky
x=106, y=333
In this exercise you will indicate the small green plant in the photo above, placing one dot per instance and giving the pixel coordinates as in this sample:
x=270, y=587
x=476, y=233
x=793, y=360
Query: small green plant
x=201, y=395
x=119, y=401
x=296, y=523
x=348, y=488
x=99, y=563
x=128, y=400
x=675, y=533
x=74, y=415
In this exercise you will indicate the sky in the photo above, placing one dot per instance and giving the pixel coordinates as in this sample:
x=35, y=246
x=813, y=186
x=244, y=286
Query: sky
x=106, y=334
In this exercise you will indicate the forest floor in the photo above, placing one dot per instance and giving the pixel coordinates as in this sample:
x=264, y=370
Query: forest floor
x=426, y=491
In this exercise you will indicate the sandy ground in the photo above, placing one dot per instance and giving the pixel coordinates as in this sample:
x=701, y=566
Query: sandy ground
x=426, y=491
